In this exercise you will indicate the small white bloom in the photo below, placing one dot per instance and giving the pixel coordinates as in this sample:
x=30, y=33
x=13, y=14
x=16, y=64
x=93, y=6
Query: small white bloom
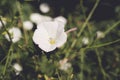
x=35, y=17
x=85, y=40
x=100, y=34
x=27, y=25
x=49, y=35
x=38, y=18
x=15, y=34
x=44, y=7
x=64, y=65
x=4, y=22
x=61, y=19
x=18, y=68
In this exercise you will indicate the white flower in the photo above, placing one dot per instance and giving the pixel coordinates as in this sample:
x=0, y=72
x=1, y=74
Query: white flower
x=64, y=65
x=15, y=34
x=85, y=40
x=27, y=25
x=49, y=35
x=46, y=18
x=44, y=7
x=100, y=34
x=61, y=19
x=1, y=23
x=37, y=18
x=18, y=68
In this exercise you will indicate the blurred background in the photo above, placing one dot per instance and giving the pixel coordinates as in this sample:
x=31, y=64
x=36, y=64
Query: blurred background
x=92, y=52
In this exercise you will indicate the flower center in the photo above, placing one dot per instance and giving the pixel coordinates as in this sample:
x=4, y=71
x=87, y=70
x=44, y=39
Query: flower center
x=52, y=41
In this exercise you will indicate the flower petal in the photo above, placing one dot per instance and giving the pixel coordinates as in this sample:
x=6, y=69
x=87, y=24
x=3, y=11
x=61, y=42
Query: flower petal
x=48, y=48
x=61, y=19
x=36, y=18
x=60, y=29
x=41, y=38
x=51, y=28
x=15, y=34
x=61, y=39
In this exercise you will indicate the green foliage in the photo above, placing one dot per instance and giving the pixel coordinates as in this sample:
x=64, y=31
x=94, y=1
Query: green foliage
x=97, y=60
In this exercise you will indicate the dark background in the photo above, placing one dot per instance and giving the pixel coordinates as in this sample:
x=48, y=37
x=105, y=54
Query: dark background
x=104, y=11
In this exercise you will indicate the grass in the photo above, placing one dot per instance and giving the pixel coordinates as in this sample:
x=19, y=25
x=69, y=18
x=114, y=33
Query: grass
x=97, y=60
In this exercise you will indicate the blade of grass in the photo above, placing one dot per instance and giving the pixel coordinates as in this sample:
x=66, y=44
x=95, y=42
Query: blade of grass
x=111, y=27
x=19, y=6
x=7, y=59
x=82, y=57
x=105, y=75
x=84, y=25
x=104, y=44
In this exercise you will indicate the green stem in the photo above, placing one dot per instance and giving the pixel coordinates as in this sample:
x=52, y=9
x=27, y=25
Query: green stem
x=59, y=78
x=3, y=59
x=82, y=64
x=105, y=75
x=82, y=8
x=22, y=19
x=6, y=30
x=105, y=44
x=88, y=18
x=111, y=27
x=7, y=60
x=84, y=25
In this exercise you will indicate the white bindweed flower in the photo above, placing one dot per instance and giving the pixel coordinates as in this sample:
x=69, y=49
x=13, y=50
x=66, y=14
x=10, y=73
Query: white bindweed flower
x=18, y=68
x=4, y=22
x=44, y=7
x=64, y=65
x=61, y=19
x=38, y=18
x=49, y=35
x=100, y=34
x=27, y=25
x=85, y=41
x=15, y=34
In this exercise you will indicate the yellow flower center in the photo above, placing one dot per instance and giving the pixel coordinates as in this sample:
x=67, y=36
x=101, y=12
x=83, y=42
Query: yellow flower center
x=52, y=41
